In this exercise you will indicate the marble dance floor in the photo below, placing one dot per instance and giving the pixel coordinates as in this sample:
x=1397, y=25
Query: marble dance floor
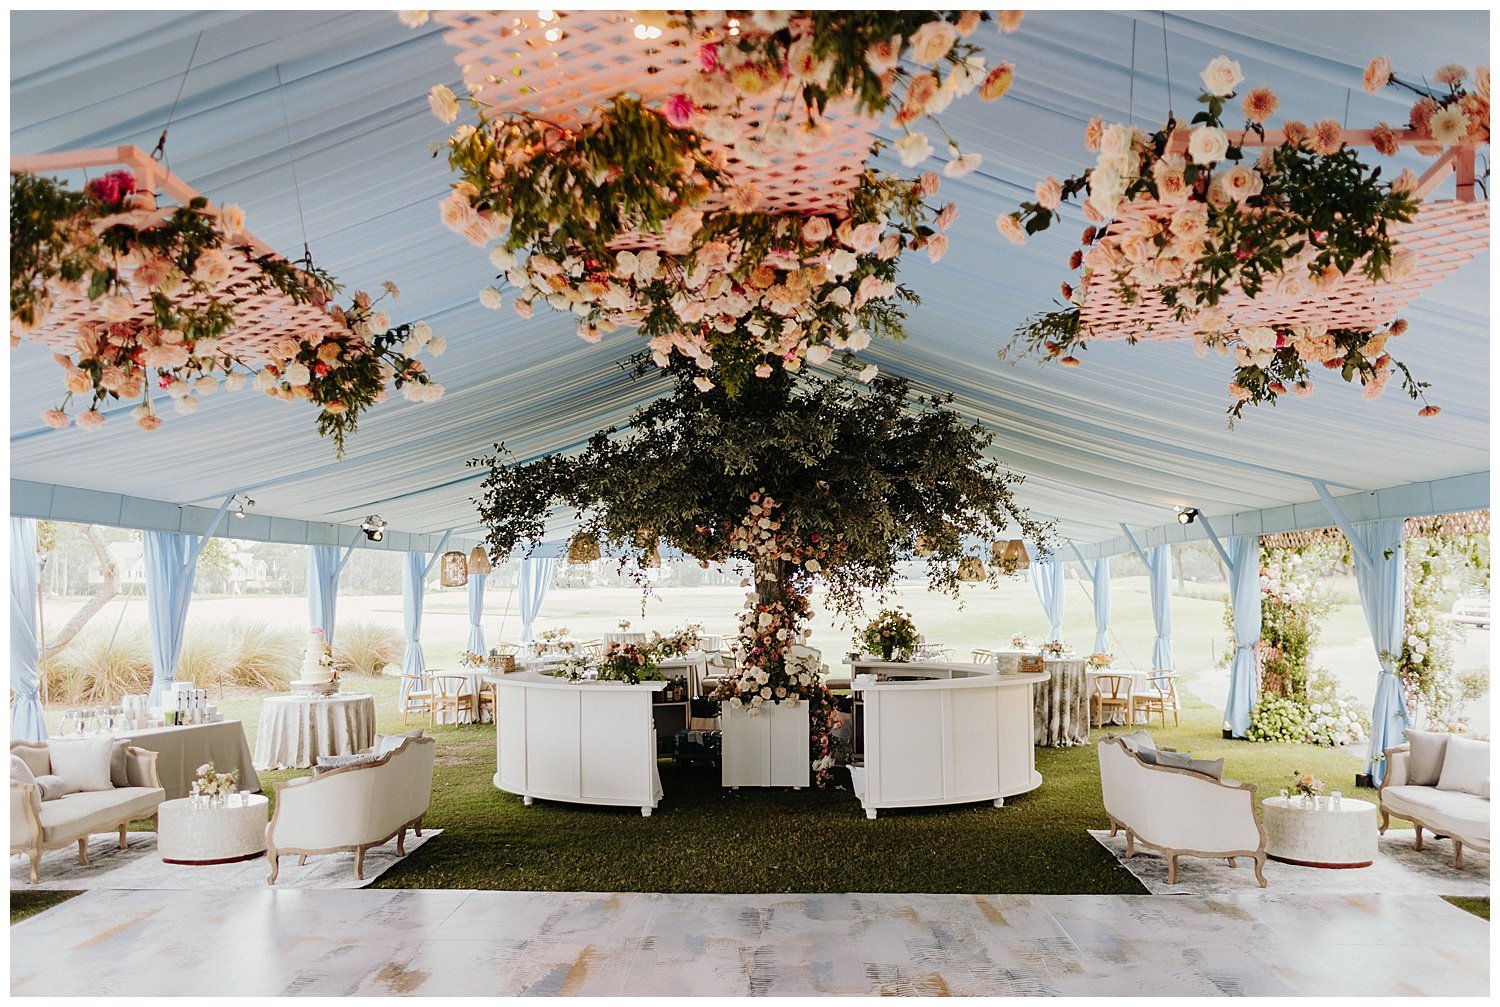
x=389, y=942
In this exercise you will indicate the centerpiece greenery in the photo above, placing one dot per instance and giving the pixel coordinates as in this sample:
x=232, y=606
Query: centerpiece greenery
x=1306, y=784
x=806, y=478
x=892, y=635
x=1188, y=228
x=632, y=663
x=159, y=279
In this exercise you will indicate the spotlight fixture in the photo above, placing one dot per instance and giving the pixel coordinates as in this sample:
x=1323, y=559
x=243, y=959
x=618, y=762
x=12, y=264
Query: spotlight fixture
x=1187, y=515
x=373, y=527
x=241, y=501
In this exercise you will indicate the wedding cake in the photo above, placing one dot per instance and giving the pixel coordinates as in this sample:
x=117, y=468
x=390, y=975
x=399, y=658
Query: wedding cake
x=316, y=676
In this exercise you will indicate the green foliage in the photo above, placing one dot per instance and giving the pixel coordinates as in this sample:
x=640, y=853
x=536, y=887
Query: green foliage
x=1277, y=718
x=864, y=469
x=1435, y=694
x=891, y=635
x=1294, y=596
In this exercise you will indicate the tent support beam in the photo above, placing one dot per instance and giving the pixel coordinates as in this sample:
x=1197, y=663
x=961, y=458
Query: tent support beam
x=1345, y=525
x=1214, y=538
x=1133, y=544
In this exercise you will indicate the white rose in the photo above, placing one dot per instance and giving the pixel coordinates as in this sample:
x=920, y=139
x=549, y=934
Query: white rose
x=489, y=297
x=296, y=375
x=914, y=148
x=443, y=103
x=1221, y=76
x=234, y=381
x=1207, y=144
x=502, y=258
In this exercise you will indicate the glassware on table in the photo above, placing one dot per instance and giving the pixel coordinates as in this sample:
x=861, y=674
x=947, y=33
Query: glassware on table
x=1284, y=793
x=1338, y=800
x=197, y=798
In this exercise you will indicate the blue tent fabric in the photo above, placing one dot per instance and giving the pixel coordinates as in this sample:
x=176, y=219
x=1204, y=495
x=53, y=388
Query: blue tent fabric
x=413, y=573
x=1099, y=575
x=28, y=721
x=1382, y=595
x=1159, y=566
x=323, y=568
x=171, y=560
x=1047, y=579
x=1244, y=598
x=536, y=576
x=476, y=613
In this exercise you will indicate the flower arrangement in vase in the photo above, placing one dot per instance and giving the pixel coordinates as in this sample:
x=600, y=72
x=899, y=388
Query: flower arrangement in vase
x=1054, y=648
x=892, y=635
x=1019, y=641
x=166, y=309
x=680, y=641
x=214, y=785
x=1098, y=662
x=631, y=663
x=1307, y=786
x=1186, y=228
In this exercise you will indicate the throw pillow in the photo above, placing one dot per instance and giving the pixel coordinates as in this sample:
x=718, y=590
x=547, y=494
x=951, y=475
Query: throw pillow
x=83, y=763
x=1141, y=744
x=52, y=787
x=35, y=757
x=385, y=744
x=327, y=762
x=1466, y=767
x=19, y=771
x=119, y=763
x=1425, y=763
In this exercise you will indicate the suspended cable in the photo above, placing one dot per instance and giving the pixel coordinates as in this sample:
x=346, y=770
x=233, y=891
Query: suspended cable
x=161, y=142
x=1132, y=71
x=292, y=163
x=1166, y=62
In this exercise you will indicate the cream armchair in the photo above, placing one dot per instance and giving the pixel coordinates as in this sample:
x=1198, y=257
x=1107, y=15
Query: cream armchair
x=37, y=825
x=1178, y=812
x=353, y=808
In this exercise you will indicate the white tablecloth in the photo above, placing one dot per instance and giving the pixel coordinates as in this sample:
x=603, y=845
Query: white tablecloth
x=181, y=750
x=295, y=730
x=473, y=680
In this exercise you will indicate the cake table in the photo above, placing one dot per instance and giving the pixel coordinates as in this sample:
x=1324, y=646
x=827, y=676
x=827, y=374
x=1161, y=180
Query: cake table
x=295, y=730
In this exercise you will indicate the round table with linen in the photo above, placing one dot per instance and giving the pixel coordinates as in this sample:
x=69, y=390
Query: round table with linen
x=1062, y=704
x=295, y=730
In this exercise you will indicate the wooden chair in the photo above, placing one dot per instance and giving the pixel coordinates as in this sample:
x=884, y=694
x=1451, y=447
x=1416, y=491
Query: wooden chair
x=981, y=655
x=507, y=648
x=594, y=648
x=448, y=695
x=486, y=700
x=417, y=697
x=1159, y=695
x=1114, y=694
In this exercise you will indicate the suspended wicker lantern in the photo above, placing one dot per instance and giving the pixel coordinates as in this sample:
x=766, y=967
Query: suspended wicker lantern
x=479, y=561
x=651, y=552
x=584, y=548
x=653, y=556
x=1011, y=556
x=971, y=569
x=922, y=549
x=455, y=570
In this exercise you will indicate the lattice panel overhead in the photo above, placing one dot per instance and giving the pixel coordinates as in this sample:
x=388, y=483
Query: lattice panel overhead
x=1445, y=235
x=560, y=70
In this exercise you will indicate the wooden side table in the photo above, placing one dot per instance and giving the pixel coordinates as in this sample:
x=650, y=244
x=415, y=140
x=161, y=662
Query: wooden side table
x=1323, y=837
x=208, y=835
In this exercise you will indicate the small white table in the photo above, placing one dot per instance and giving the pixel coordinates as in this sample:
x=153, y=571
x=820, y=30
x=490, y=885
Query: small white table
x=207, y=835
x=295, y=730
x=1323, y=837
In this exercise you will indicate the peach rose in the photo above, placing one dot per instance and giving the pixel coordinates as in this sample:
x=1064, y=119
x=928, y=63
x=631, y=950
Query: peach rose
x=1377, y=74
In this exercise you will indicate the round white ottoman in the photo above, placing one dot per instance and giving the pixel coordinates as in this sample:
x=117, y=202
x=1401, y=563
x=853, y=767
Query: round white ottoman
x=1323, y=837
x=207, y=835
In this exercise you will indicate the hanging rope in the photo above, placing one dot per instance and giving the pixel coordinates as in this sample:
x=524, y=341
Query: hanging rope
x=1132, y=71
x=1166, y=62
x=161, y=142
x=292, y=163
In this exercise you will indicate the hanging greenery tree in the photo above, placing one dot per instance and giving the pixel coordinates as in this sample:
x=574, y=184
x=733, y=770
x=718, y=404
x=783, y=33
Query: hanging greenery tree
x=806, y=478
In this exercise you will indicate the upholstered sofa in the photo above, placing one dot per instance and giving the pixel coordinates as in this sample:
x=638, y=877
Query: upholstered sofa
x=1441, y=783
x=355, y=807
x=1178, y=811
x=128, y=790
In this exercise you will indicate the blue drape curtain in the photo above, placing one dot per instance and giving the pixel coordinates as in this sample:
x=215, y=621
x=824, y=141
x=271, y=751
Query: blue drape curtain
x=1159, y=566
x=536, y=575
x=1047, y=579
x=323, y=567
x=413, y=573
x=1382, y=594
x=1099, y=574
x=1244, y=598
x=476, y=612
x=171, y=562
x=27, y=720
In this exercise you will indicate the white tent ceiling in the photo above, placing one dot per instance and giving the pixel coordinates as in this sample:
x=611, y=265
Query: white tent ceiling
x=1121, y=439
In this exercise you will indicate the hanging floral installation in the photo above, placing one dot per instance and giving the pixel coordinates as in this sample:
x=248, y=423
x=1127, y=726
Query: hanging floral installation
x=1273, y=259
x=1450, y=116
x=725, y=212
x=817, y=488
x=138, y=298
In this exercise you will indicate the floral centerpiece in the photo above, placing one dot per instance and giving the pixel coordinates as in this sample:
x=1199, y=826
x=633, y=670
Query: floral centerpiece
x=644, y=217
x=1306, y=785
x=1186, y=227
x=1098, y=662
x=213, y=784
x=632, y=663
x=1019, y=641
x=556, y=641
x=1449, y=114
x=679, y=641
x=892, y=634
x=159, y=278
x=1054, y=648
x=623, y=625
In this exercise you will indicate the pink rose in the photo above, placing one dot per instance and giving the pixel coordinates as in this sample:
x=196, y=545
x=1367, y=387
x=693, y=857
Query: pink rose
x=679, y=110
x=56, y=418
x=708, y=57
x=112, y=188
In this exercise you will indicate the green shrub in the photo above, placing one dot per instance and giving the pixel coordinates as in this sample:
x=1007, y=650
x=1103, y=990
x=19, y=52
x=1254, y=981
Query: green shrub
x=1276, y=718
x=365, y=648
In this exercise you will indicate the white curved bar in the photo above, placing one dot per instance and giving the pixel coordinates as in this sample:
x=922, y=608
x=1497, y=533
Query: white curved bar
x=944, y=733
x=582, y=742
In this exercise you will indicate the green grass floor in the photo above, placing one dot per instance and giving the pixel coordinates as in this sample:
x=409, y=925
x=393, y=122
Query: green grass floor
x=703, y=838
